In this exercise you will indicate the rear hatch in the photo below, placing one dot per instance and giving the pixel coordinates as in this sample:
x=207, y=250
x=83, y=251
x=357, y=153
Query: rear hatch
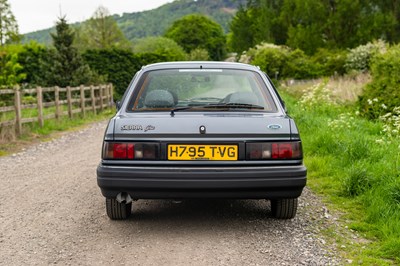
x=189, y=136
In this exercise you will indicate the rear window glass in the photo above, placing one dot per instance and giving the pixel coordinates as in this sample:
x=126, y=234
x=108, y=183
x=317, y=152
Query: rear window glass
x=201, y=90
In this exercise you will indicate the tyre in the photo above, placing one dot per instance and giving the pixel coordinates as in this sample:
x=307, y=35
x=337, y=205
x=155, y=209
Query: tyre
x=118, y=211
x=284, y=208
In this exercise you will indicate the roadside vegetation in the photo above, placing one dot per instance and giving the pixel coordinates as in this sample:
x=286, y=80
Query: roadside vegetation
x=354, y=163
x=33, y=133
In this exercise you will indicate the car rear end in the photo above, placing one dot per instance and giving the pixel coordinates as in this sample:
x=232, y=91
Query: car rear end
x=211, y=138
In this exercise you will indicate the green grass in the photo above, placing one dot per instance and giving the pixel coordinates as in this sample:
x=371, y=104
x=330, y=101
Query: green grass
x=32, y=132
x=357, y=176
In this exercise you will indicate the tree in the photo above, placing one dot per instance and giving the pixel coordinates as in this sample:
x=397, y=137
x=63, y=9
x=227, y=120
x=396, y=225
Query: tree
x=68, y=67
x=101, y=32
x=198, y=31
x=162, y=46
x=242, y=37
x=313, y=24
x=8, y=24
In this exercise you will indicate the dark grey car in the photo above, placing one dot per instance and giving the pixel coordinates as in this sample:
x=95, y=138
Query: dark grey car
x=201, y=130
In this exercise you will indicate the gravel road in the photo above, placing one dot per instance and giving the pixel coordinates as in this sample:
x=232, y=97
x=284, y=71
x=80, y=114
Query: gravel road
x=52, y=212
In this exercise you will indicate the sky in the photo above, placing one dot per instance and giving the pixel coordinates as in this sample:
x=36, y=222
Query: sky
x=33, y=15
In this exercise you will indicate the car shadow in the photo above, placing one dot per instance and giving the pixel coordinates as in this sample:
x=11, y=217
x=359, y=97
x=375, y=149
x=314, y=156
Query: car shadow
x=199, y=211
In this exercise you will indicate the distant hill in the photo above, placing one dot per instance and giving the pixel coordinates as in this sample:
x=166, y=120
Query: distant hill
x=154, y=22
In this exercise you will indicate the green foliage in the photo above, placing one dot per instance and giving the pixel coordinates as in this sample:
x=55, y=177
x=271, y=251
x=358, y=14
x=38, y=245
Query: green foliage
x=359, y=58
x=68, y=68
x=100, y=31
x=312, y=24
x=382, y=95
x=35, y=58
x=356, y=181
x=199, y=55
x=241, y=38
x=10, y=70
x=165, y=47
x=330, y=62
x=198, y=31
x=119, y=66
x=272, y=59
x=8, y=24
x=349, y=164
x=258, y=22
x=282, y=62
x=303, y=22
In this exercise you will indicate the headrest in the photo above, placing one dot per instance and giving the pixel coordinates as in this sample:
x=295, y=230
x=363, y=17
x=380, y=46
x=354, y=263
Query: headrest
x=243, y=97
x=159, y=99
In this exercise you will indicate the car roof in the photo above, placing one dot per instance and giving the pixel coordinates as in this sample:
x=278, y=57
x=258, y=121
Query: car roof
x=200, y=65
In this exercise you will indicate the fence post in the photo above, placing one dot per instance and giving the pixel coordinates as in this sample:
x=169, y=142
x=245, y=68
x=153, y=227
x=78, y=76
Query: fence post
x=39, y=96
x=110, y=87
x=83, y=111
x=18, y=122
x=101, y=97
x=106, y=95
x=57, y=101
x=92, y=95
x=69, y=101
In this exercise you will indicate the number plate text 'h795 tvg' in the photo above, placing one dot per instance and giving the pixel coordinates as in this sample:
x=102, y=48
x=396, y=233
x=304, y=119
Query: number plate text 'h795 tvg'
x=203, y=152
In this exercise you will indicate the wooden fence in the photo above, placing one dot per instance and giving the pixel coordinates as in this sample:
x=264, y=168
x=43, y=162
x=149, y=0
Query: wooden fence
x=57, y=101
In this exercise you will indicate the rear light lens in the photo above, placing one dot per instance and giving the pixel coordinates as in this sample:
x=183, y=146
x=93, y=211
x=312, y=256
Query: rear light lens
x=131, y=151
x=274, y=151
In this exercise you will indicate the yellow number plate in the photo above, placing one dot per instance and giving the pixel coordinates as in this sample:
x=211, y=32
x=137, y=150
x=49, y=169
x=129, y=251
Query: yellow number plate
x=203, y=152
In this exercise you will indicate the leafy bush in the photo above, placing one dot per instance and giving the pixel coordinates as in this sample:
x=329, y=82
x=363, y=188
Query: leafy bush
x=384, y=88
x=199, y=55
x=162, y=46
x=283, y=62
x=119, y=66
x=271, y=58
x=359, y=58
x=36, y=61
x=330, y=62
x=299, y=66
x=10, y=70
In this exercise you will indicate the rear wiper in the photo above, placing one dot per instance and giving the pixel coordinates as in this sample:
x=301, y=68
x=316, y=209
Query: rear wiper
x=235, y=105
x=219, y=106
x=182, y=108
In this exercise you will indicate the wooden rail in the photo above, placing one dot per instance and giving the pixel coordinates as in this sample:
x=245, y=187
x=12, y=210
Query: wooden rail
x=50, y=102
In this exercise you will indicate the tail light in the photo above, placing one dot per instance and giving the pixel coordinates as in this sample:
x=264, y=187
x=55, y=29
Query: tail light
x=131, y=151
x=274, y=151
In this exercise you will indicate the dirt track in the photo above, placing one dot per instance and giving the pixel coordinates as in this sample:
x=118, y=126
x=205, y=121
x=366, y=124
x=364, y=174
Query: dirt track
x=52, y=212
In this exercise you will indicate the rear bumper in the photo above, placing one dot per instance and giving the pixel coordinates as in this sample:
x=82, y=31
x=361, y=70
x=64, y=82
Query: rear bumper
x=202, y=182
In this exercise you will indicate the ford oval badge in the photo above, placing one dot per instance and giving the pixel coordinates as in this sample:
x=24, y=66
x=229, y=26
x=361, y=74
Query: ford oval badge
x=274, y=126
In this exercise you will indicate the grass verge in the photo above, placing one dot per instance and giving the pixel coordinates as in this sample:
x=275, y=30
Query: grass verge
x=356, y=174
x=33, y=133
